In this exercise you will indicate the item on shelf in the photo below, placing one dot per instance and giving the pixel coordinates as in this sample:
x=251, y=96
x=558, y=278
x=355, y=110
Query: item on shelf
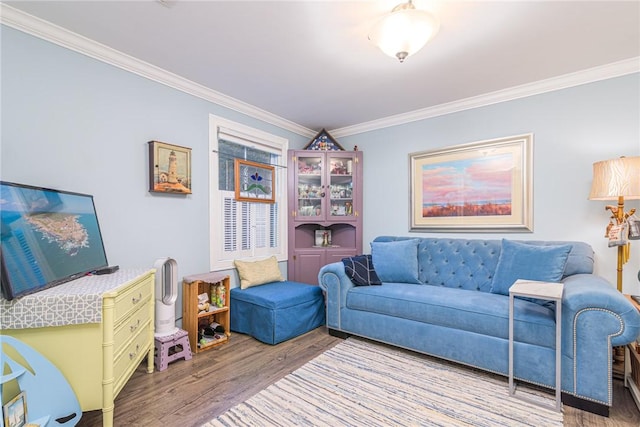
x=211, y=331
x=220, y=296
x=203, y=303
x=323, y=238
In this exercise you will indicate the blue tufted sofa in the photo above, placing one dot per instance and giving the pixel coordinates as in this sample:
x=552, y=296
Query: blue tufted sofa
x=451, y=312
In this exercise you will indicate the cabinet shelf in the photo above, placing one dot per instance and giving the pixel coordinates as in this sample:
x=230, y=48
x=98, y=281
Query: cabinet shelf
x=212, y=343
x=213, y=312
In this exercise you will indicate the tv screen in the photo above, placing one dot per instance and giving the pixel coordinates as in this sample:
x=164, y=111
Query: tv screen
x=49, y=237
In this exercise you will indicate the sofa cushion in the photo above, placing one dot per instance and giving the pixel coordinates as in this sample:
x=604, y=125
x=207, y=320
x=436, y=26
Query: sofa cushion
x=396, y=261
x=360, y=270
x=471, y=264
x=531, y=262
x=478, y=312
x=254, y=273
x=458, y=263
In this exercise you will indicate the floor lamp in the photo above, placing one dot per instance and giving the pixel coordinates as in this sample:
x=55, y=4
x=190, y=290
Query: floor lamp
x=617, y=179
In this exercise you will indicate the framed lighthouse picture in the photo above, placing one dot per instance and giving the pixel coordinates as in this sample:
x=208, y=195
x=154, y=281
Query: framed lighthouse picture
x=169, y=168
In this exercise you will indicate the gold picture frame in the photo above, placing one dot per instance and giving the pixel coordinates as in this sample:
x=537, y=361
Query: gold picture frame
x=254, y=182
x=484, y=186
x=15, y=411
x=169, y=168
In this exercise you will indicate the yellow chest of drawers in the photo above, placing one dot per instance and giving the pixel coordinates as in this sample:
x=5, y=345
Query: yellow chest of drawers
x=97, y=359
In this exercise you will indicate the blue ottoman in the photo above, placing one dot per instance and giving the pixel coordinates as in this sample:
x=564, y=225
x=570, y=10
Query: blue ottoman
x=275, y=312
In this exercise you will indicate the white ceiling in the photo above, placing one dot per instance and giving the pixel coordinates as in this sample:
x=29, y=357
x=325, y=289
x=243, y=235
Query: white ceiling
x=310, y=62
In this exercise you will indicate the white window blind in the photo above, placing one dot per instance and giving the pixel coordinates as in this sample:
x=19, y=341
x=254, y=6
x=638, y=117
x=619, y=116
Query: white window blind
x=244, y=230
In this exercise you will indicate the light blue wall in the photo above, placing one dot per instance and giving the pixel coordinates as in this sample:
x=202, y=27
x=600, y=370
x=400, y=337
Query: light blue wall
x=75, y=123
x=573, y=128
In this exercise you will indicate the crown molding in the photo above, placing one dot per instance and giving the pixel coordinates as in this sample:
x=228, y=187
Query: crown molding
x=616, y=69
x=55, y=34
x=45, y=30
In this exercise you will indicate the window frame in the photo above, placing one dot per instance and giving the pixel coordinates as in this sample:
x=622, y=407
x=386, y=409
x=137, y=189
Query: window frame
x=260, y=140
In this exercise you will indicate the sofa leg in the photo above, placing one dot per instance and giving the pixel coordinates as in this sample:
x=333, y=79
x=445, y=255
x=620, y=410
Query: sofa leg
x=585, y=405
x=339, y=334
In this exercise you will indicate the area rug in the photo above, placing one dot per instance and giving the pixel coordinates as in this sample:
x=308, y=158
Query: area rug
x=361, y=383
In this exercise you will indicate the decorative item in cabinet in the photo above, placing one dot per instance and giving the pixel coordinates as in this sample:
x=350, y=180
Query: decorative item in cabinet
x=323, y=141
x=325, y=186
x=205, y=310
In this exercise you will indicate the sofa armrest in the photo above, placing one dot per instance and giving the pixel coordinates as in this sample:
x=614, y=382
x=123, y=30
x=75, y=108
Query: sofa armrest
x=335, y=283
x=595, y=317
x=590, y=293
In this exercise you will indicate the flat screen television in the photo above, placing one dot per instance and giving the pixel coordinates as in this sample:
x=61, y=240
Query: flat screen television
x=48, y=237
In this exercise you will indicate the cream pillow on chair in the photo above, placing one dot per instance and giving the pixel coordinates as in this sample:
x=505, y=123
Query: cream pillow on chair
x=254, y=273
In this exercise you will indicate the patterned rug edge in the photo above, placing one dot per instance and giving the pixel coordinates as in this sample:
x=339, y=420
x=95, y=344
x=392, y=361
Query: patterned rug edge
x=358, y=382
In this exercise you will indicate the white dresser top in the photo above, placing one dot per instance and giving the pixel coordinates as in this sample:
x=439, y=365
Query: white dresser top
x=72, y=303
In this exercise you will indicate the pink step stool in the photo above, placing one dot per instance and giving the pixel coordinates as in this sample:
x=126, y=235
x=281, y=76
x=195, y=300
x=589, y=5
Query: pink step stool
x=170, y=348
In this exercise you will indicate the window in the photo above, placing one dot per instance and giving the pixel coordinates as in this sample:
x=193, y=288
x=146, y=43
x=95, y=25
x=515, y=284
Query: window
x=241, y=230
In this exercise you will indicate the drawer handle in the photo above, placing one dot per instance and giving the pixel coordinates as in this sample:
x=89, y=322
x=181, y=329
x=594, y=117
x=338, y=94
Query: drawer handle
x=135, y=300
x=134, y=327
x=135, y=353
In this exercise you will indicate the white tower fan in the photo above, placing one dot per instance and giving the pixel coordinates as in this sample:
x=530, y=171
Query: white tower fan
x=166, y=295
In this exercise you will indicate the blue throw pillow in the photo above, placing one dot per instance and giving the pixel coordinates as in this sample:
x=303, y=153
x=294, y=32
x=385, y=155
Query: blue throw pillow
x=396, y=261
x=360, y=270
x=530, y=262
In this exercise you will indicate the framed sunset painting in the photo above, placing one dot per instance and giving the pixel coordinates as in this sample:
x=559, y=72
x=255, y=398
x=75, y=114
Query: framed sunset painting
x=481, y=187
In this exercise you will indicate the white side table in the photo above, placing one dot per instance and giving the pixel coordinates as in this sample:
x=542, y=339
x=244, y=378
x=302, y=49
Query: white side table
x=546, y=291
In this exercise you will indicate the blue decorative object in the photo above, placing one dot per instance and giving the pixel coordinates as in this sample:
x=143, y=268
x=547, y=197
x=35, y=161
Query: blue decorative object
x=530, y=262
x=49, y=397
x=396, y=261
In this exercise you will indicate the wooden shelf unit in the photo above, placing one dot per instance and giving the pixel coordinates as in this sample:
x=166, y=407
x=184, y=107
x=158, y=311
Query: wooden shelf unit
x=631, y=374
x=194, y=320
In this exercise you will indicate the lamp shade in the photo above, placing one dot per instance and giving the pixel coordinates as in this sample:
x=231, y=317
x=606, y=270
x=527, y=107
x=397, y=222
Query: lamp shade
x=404, y=31
x=615, y=178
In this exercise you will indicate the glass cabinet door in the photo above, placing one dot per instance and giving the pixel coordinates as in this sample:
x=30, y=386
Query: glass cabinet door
x=341, y=191
x=310, y=186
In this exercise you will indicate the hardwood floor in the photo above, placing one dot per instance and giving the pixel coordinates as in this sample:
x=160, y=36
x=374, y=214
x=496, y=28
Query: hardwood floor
x=189, y=393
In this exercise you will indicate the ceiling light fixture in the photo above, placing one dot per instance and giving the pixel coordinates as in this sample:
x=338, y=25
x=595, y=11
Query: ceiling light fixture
x=404, y=31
